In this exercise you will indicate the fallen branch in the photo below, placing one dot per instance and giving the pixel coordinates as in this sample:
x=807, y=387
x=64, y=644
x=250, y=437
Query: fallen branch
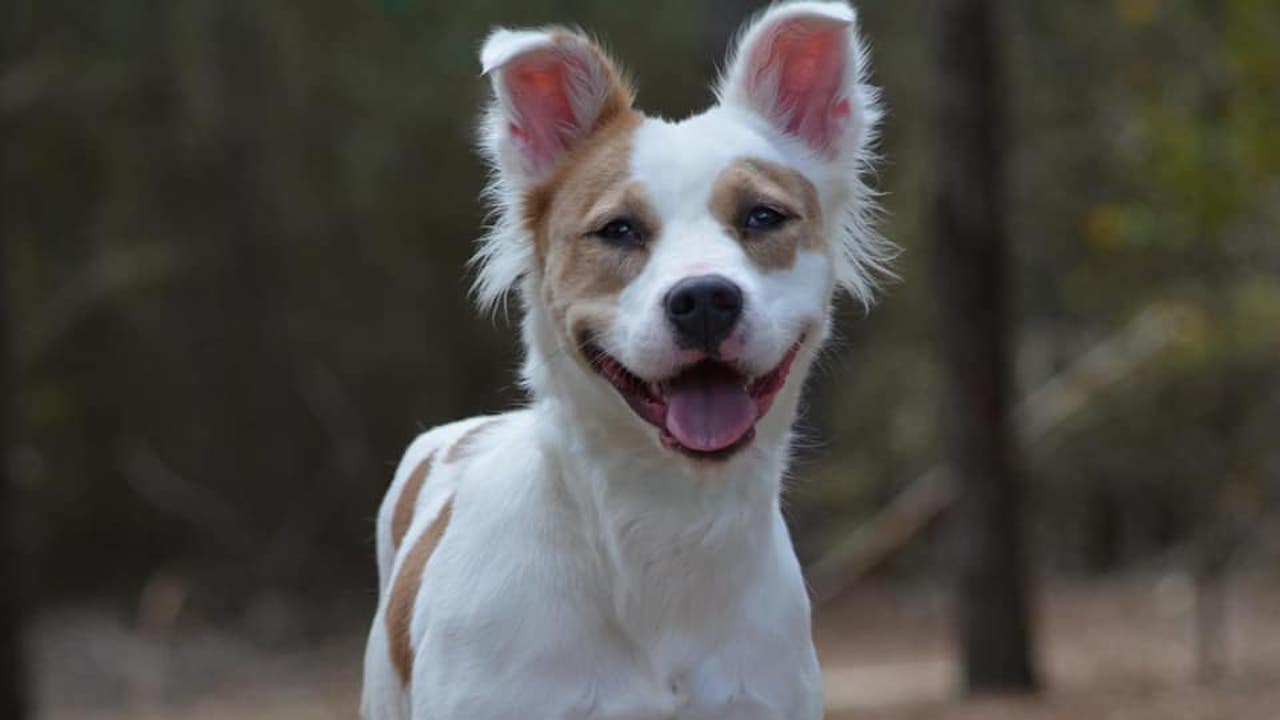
x=1149, y=335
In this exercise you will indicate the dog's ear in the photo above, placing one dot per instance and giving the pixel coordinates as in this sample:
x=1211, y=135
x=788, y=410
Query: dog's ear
x=551, y=89
x=800, y=66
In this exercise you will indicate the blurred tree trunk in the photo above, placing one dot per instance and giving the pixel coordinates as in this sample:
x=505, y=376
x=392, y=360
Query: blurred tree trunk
x=235, y=336
x=12, y=677
x=992, y=621
x=12, y=685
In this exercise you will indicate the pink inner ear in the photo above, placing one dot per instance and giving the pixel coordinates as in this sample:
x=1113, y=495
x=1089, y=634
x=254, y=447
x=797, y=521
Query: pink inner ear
x=806, y=60
x=537, y=86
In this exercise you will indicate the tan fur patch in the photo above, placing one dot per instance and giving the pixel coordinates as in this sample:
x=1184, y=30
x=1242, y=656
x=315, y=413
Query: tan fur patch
x=600, y=162
x=464, y=446
x=404, y=593
x=582, y=273
x=402, y=518
x=616, y=117
x=749, y=183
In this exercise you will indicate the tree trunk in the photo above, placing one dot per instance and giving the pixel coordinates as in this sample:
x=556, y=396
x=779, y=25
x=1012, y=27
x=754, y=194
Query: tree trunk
x=12, y=685
x=12, y=677
x=992, y=615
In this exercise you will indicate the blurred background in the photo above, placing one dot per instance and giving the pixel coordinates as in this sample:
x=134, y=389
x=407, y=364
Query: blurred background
x=233, y=240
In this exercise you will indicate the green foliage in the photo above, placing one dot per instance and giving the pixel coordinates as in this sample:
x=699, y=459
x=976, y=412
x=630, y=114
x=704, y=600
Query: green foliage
x=1144, y=175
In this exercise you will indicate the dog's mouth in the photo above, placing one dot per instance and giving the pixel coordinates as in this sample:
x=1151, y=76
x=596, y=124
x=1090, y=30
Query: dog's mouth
x=708, y=410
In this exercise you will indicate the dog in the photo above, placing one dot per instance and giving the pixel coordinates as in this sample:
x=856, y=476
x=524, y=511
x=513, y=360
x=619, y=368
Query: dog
x=616, y=549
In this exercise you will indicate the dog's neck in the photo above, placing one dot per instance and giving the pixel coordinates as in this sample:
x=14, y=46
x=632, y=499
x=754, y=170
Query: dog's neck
x=674, y=549
x=677, y=540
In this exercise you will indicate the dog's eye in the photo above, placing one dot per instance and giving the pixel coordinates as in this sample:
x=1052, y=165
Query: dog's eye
x=762, y=217
x=621, y=232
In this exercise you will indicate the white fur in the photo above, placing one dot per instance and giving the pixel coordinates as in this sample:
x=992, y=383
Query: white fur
x=587, y=571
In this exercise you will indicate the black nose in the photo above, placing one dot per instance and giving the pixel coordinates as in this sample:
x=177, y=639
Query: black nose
x=703, y=310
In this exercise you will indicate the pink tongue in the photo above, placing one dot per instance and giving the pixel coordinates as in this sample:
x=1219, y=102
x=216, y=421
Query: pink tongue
x=708, y=409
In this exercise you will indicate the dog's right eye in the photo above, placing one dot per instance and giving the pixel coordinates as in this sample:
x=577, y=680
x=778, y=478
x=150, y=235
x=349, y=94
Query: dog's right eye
x=621, y=232
x=763, y=217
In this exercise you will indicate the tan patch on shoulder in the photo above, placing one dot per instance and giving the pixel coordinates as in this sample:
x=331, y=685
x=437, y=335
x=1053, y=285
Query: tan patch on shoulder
x=751, y=182
x=405, y=589
x=402, y=517
x=465, y=446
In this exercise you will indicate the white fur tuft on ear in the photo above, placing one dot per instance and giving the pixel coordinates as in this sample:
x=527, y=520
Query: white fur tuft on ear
x=802, y=68
x=551, y=89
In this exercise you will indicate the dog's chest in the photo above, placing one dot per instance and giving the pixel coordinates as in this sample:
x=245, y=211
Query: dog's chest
x=703, y=619
x=716, y=688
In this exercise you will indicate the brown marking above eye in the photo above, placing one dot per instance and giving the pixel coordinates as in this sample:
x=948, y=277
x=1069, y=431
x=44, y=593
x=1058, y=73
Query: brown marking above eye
x=591, y=188
x=583, y=265
x=598, y=167
x=622, y=217
x=581, y=273
x=749, y=185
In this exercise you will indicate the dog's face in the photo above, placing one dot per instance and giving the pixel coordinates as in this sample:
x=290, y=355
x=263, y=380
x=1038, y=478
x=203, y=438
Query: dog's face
x=689, y=274
x=685, y=264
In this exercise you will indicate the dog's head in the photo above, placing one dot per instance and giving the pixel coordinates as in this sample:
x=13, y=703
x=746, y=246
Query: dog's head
x=683, y=266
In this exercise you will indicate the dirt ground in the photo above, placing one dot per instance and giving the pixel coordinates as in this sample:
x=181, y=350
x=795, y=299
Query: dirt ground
x=1118, y=650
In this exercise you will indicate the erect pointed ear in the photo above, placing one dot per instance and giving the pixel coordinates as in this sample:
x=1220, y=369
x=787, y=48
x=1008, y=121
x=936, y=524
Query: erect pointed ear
x=800, y=66
x=552, y=88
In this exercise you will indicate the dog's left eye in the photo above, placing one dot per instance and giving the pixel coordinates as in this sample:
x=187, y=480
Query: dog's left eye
x=762, y=217
x=621, y=232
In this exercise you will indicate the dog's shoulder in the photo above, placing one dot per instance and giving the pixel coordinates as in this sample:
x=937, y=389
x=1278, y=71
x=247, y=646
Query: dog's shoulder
x=415, y=515
x=426, y=477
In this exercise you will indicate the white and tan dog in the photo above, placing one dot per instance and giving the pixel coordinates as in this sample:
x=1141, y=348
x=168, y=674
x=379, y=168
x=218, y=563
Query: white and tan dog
x=616, y=549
